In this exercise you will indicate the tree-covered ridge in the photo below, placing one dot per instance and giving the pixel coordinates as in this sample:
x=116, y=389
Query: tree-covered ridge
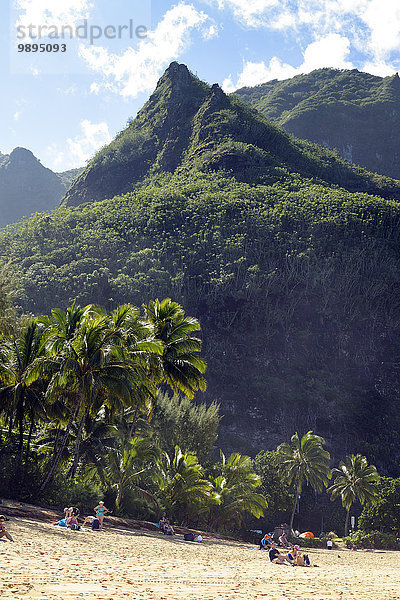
x=295, y=284
x=189, y=126
x=357, y=113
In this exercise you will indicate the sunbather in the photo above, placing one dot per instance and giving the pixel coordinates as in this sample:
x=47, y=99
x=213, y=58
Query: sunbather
x=265, y=542
x=3, y=531
x=276, y=557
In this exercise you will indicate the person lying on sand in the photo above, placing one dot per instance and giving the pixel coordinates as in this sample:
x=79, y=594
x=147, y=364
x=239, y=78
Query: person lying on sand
x=276, y=557
x=3, y=531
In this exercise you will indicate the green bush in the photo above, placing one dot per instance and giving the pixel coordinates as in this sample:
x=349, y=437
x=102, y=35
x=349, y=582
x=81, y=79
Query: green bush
x=372, y=539
x=385, y=514
x=83, y=494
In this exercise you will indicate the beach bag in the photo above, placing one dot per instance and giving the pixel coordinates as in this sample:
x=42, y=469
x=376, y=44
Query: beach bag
x=95, y=524
x=188, y=537
x=62, y=523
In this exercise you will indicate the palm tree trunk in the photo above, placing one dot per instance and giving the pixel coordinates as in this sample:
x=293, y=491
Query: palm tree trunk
x=293, y=511
x=21, y=438
x=74, y=467
x=28, y=444
x=120, y=496
x=10, y=428
x=346, y=524
x=63, y=444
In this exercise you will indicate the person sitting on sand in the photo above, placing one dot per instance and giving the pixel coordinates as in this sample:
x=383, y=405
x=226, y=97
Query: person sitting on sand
x=297, y=558
x=100, y=511
x=168, y=529
x=73, y=523
x=265, y=542
x=283, y=541
x=276, y=557
x=162, y=522
x=3, y=530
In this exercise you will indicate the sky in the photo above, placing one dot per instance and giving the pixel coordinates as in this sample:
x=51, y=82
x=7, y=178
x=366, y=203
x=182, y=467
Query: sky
x=65, y=105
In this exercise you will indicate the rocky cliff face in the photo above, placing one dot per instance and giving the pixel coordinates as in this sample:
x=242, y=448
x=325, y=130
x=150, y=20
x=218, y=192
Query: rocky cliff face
x=356, y=113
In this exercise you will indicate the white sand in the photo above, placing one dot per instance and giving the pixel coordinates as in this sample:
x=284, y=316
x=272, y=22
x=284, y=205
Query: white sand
x=52, y=564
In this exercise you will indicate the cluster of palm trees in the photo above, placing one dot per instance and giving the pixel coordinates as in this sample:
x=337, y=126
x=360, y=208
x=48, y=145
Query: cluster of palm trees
x=78, y=389
x=68, y=368
x=305, y=461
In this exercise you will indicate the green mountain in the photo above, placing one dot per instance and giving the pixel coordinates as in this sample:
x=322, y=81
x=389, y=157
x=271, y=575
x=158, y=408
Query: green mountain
x=26, y=186
x=354, y=112
x=190, y=126
x=295, y=278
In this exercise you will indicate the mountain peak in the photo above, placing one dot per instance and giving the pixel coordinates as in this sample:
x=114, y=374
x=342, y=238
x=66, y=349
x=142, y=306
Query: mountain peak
x=20, y=154
x=178, y=71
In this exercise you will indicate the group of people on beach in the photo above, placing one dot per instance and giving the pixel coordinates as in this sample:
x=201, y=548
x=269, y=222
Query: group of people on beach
x=72, y=513
x=292, y=556
x=165, y=526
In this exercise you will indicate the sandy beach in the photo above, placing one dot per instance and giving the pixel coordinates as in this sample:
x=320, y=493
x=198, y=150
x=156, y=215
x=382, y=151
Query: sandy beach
x=52, y=563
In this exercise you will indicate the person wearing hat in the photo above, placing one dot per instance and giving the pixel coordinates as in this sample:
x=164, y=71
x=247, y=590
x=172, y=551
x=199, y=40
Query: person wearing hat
x=100, y=511
x=3, y=531
x=297, y=558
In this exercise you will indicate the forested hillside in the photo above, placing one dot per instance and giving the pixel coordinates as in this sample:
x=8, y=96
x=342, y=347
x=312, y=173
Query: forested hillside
x=294, y=279
x=26, y=186
x=356, y=113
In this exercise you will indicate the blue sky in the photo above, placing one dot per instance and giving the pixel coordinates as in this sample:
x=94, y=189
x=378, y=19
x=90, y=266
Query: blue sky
x=64, y=106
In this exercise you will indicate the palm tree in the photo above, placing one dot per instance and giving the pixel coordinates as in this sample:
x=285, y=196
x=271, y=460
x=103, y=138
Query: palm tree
x=235, y=491
x=183, y=484
x=304, y=460
x=355, y=480
x=128, y=464
x=89, y=363
x=180, y=366
x=21, y=397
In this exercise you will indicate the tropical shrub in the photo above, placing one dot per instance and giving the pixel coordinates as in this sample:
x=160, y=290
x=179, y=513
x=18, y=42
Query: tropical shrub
x=372, y=539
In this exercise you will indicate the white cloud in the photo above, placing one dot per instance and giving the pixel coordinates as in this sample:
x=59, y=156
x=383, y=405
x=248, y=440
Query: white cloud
x=17, y=115
x=76, y=151
x=254, y=73
x=137, y=70
x=329, y=51
x=371, y=26
x=93, y=136
x=275, y=14
x=52, y=12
